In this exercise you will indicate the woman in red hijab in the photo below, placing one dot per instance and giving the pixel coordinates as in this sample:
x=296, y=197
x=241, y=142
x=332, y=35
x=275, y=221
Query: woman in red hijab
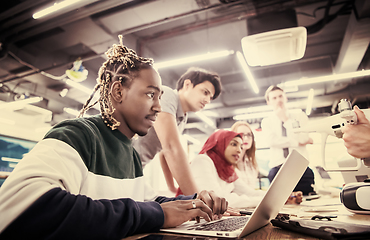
x=214, y=169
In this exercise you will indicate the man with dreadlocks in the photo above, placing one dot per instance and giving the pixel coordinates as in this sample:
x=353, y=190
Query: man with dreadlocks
x=195, y=89
x=84, y=180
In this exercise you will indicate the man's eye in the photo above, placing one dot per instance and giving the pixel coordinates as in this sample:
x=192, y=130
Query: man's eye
x=150, y=95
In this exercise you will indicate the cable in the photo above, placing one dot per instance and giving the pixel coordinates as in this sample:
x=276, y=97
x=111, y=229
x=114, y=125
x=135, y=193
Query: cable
x=22, y=62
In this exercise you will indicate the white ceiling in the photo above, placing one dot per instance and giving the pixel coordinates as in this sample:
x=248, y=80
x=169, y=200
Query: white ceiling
x=337, y=42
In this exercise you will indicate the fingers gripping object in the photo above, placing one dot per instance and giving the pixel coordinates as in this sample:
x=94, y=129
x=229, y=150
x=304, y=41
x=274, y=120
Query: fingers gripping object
x=194, y=205
x=333, y=126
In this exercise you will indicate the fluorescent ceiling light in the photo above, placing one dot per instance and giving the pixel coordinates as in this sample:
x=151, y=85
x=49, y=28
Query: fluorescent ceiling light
x=192, y=59
x=264, y=114
x=251, y=115
x=309, y=101
x=328, y=78
x=247, y=72
x=42, y=129
x=288, y=89
x=79, y=86
x=71, y=111
x=263, y=108
x=206, y=119
x=20, y=103
x=54, y=8
x=8, y=159
x=64, y=92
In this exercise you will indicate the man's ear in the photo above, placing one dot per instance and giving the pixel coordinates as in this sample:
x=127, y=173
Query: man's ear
x=187, y=84
x=117, y=92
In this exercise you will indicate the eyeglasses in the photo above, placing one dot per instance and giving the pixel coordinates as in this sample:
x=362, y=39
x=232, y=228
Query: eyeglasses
x=248, y=135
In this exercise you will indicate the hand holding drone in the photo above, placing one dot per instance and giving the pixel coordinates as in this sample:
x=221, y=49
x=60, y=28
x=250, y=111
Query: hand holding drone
x=357, y=137
x=354, y=196
x=334, y=126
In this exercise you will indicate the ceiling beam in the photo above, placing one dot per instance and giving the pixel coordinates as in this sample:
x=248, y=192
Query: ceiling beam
x=354, y=45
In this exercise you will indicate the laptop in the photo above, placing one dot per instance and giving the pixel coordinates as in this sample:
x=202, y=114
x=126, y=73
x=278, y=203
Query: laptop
x=276, y=195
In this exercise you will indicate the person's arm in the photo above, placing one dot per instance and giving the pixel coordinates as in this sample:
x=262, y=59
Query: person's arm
x=217, y=204
x=60, y=214
x=176, y=158
x=303, y=138
x=41, y=199
x=272, y=136
x=167, y=173
x=357, y=137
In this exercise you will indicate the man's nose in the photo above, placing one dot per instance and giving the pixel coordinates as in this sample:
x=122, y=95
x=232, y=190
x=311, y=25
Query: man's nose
x=208, y=99
x=157, y=106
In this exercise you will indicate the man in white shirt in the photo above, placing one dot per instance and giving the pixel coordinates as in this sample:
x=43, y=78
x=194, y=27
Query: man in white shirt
x=278, y=129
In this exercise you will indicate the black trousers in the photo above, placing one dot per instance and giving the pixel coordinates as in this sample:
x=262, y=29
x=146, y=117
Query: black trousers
x=305, y=183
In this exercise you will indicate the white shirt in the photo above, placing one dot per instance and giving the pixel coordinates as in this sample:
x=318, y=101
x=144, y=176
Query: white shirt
x=272, y=130
x=248, y=174
x=237, y=193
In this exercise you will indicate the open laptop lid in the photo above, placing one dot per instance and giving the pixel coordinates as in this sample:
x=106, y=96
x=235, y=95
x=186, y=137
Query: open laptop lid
x=277, y=194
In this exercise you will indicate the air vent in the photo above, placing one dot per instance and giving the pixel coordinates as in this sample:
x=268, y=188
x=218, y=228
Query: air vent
x=275, y=47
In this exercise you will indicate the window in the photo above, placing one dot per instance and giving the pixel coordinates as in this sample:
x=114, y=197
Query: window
x=11, y=152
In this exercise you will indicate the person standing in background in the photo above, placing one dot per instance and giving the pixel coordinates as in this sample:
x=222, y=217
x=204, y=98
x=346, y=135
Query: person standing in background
x=278, y=131
x=195, y=89
x=247, y=166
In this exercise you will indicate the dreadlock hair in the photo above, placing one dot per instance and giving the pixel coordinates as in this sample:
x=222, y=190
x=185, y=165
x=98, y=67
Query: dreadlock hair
x=123, y=65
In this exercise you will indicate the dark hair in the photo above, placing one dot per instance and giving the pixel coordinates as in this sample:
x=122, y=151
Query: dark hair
x=270, y=89
x=199, y=75
x=123, y=65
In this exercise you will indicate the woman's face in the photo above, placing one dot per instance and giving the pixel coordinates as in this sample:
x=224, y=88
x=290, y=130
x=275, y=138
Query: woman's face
x=247, y=137
x=233, y=150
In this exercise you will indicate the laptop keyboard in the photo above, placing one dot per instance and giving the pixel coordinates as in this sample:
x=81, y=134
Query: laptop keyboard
x=226, y=224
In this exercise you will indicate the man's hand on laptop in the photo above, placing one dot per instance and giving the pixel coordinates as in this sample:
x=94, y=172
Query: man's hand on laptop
x=180, y=211
x=217, y=204
x=232, y=212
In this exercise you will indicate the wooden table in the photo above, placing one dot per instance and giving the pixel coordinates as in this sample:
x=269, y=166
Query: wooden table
x=324, y=206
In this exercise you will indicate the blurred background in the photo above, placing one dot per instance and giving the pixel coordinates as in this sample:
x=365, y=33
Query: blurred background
x=49, y=64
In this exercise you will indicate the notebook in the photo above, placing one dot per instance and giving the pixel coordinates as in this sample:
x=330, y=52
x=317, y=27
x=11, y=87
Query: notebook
x=276, y=195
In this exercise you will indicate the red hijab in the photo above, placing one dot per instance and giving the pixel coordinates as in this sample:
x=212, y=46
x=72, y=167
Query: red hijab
x=215, y=148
